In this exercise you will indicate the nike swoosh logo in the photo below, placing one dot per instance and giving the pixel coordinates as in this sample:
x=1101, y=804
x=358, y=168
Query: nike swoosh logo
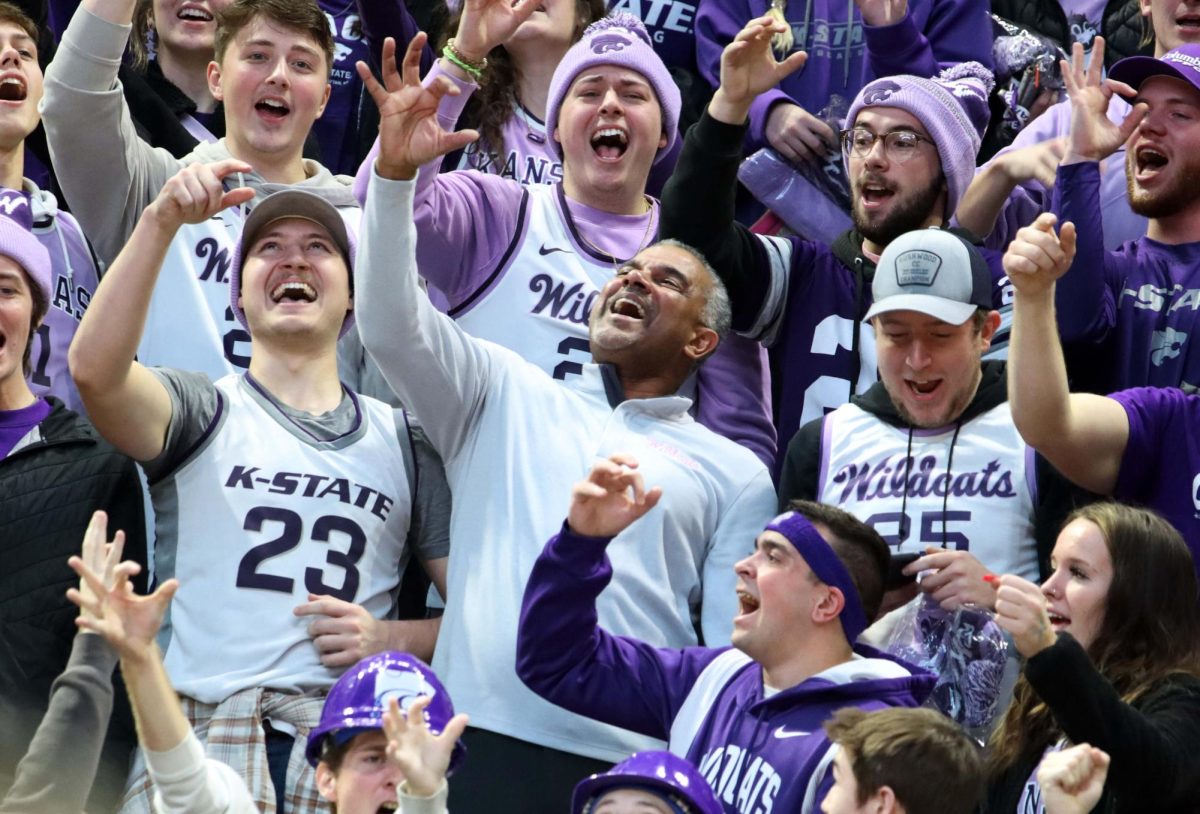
x=544, y=251
x=783, y=733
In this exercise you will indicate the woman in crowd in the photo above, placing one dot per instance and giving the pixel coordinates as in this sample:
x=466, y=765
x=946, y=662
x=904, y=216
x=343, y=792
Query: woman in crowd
x=1111, y=646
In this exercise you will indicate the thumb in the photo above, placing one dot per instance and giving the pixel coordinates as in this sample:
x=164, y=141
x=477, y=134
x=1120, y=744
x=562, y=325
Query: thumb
x=793, y=63
x=1066, y=239
x=1134, y=118
x=236, y=197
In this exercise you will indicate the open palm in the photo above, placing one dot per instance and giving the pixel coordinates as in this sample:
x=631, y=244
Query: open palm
x=1094, y=136
x=748, y=65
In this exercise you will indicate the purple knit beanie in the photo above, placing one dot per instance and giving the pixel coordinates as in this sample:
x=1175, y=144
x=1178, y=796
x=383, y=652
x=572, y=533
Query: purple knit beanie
x=18, y=242
x=618, y=39
x=954, y=110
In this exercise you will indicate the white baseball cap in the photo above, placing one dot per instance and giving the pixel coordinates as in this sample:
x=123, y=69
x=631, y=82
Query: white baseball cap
x=931, y=271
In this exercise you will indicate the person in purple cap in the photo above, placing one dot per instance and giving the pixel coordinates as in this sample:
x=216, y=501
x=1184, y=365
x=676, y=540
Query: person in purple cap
x=1139, y=445
x=54, y=472
x=1136, y=306
x=280, y=496
x=748, y=716
x=522, y=266
x=909, y=152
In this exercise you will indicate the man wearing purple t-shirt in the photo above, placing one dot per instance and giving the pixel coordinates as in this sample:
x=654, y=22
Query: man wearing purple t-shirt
x=749, y=716
x=1139, y=445
x=1141, y=298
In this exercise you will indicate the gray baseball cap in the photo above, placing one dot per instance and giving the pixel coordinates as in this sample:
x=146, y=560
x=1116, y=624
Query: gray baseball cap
x=934, y=272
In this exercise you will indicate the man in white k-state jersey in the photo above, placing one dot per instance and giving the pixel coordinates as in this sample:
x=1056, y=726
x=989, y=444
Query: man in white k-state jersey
x=284, y=502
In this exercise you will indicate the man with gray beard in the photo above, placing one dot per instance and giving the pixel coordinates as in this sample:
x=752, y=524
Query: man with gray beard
x=1141, y=299
x=929, y=455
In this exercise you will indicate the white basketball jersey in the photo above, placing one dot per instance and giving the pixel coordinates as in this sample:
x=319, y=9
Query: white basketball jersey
x=538, y=299
x=259, y=516
x=981, y=499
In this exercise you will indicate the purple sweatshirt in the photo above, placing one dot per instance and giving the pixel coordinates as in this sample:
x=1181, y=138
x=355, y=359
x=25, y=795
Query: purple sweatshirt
x=844, y=54
x=472, y=229
x=1142, y=297
x=758, y=753
x=1031, y=199
x=1161, y=465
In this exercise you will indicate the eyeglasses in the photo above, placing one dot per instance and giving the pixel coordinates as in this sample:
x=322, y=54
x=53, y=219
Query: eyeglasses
x=898, y=145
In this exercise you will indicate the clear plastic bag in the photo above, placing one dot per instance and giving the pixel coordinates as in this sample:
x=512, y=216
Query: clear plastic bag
x=965, y=649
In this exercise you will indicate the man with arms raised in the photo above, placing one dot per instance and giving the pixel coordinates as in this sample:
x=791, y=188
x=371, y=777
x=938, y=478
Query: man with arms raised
x=279, y=495
x=750, y=717
x=514, y=440
x=909, y=155
x=271, y=72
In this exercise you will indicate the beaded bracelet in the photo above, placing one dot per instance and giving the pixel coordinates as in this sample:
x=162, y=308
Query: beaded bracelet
x=472, y=69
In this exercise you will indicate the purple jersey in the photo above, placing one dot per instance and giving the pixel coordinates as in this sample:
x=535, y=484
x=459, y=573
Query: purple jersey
x=1161, y=465
x=1143, y=297
x=760, y=752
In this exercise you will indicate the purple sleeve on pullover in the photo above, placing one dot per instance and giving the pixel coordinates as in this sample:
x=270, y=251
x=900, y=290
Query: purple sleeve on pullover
x=565, y=657
x=1084, y=297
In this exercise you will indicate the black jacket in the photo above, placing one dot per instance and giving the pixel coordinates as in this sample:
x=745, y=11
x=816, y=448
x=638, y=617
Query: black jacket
x=50, y=484
x=1056, y=497
x=1154, y=742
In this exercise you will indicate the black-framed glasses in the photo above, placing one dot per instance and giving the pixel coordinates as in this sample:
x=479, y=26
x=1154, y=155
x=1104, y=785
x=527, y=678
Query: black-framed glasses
x=898, y=145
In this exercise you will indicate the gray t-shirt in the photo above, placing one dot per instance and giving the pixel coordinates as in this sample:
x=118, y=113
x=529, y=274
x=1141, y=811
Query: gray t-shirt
x=194, y=402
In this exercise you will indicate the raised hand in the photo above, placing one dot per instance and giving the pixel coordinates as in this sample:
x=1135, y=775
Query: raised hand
x=487, y=23
x=882, y=12
x=423, y=756
x=108, y=606
x=1093, y=135
x=345, y=633
x=1037, y=162
x=798, y=135
x=611, y=498
x=1037, y=256
x=749, y=67
x=197, y=192
x=1021, y=610
x=958, y=578
x=409, y=132
x=1072, y=780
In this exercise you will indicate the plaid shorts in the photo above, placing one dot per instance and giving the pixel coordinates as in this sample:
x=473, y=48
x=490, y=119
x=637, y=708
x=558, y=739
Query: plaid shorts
x=232, y=732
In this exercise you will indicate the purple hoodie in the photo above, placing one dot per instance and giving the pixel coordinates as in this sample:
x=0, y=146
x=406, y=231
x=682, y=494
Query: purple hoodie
x=1142, y=298
x=758, y=753
x=844, y=54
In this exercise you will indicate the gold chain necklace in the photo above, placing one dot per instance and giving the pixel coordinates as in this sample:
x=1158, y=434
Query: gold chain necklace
x=643, y=243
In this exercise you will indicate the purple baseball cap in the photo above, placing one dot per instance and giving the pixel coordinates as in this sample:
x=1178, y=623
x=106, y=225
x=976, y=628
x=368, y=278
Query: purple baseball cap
x=1180, y=63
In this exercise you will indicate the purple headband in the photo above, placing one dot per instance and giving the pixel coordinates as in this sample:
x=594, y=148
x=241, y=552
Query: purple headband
x=826, y=565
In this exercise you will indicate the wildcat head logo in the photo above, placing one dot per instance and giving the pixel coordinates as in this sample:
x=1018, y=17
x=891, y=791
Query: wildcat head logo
x=14, y=204
x=405, y=687
x=1166, y=344
x=607, y=43
x=880, y=92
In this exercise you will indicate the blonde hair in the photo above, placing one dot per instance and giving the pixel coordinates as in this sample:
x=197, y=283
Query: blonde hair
x=783, y=43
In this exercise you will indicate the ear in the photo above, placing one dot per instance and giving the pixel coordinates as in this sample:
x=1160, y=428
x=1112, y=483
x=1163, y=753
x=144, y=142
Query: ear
x=662, y=140
x=214, y=81
x=1144, y=5
x=988, y=331
x=326, y=782
x=324, y=99
x=884, y=801
x=556, y=137
x=830, y=607
x=703, y=343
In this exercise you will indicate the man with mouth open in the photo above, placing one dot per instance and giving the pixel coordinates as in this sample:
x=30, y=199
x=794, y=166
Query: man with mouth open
x=929, y=455
x=521, y=266
x=909, y=152
x=271, y=67
x=286, y=504
x=514, y=441
x=751, y=716
x=1141, y=299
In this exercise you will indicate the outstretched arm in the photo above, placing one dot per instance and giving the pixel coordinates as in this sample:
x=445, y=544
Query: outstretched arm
x=1082, y=435
x=128, y=405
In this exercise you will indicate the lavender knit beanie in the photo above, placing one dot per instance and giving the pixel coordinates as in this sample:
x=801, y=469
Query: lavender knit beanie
x=618, y=39
x=18, y=242
x=953, y=109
